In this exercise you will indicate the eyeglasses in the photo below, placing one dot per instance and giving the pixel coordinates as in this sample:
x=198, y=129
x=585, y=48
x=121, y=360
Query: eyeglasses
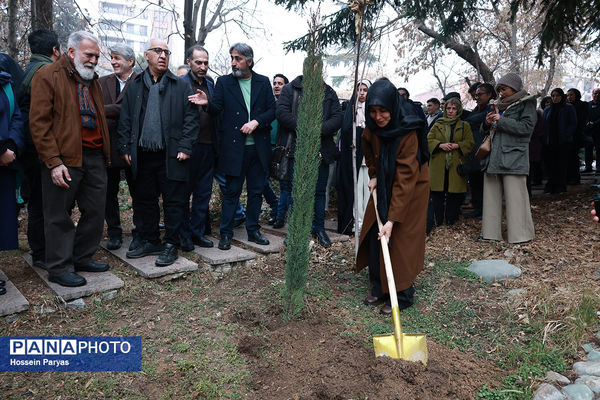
x=159, y=50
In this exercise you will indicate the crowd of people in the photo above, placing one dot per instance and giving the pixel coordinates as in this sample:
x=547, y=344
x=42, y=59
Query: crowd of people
x=75, y=136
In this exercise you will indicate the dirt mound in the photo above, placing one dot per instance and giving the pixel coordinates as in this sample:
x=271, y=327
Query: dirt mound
x=310, y=360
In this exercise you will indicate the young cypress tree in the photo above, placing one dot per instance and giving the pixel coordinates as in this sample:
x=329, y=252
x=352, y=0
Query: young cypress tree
x=307, y=159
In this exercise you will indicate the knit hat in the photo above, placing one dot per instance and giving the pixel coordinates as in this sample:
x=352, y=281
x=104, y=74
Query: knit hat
x=512, y=80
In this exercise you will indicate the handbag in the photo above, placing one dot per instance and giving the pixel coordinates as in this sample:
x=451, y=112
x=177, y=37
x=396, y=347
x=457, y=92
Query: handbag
x=485, y=148
x=280, y=161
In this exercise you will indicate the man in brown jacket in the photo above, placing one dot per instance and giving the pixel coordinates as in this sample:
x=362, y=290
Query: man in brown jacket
x=70, y=134
x=122, y=59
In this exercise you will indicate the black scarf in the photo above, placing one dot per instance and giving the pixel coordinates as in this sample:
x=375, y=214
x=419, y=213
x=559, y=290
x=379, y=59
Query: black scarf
x=403, y=120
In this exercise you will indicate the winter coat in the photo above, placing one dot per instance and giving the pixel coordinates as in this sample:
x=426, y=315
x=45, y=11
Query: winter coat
x=408, y=210
x=112, y=110
x=54, y=118
x=179, y=119
x=11, y=126
x=437, y=163
x=228, y=104
x=510, y=145
x=567, y=124
x=288, y=120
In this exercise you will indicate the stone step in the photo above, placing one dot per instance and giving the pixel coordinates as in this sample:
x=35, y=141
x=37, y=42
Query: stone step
x=214, y=256
x=333, y=236
x=97, y=282
x=12, y=301
x=145, y=265
x=275, y=242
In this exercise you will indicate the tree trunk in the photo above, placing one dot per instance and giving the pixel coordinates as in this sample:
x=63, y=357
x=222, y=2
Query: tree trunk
x=550, y=76
x=515, y=65
x=463, y=51
x=41, y=14
x=13, y=51
x=188, y=25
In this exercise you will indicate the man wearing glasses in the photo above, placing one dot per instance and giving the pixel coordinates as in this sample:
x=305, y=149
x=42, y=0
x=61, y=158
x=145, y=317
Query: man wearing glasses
x=157, y=128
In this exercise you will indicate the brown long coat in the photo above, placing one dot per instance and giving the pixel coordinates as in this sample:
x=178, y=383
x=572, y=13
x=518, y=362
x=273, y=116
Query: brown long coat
x=112, y=110
x=54, y=119
x=408, y=210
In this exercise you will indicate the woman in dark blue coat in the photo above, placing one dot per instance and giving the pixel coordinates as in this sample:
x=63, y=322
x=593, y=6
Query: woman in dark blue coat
x=560, y=123
x=11, y=139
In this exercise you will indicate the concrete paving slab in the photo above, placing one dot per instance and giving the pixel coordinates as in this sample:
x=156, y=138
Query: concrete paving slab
x=214, y=256
x=336, y=237
x=331, y=224
x=280, y=231
x=97, y=282
x=12, y=301
x=145, y=265
x=275, y=242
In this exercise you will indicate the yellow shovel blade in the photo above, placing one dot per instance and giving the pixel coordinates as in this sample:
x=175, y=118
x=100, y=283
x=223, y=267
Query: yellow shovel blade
x=414, y=347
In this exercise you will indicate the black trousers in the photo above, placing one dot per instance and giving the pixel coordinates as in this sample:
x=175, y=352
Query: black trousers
x=35, y=209
x=150, y=183
x=476, y=182
x=556, y=161
x=405, y=297
x=112, y=212
x=65, y=243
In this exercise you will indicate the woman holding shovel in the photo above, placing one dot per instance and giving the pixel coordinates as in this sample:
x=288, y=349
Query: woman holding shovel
x=395, y=151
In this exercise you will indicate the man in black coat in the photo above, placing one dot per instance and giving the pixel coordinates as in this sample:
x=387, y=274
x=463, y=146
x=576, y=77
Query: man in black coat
x=157, y=128
x=245, y=103
x=287, y=115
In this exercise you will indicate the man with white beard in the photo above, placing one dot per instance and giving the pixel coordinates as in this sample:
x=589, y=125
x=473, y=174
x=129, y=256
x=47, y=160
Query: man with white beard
x=69, y=131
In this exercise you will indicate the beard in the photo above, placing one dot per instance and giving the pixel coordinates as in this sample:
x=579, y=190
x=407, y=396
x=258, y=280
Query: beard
x=240, y=73
x=83, y=70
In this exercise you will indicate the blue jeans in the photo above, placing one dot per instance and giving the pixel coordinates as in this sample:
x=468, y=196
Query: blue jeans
x=254, y=175
x=202, y=164
x=285, y=197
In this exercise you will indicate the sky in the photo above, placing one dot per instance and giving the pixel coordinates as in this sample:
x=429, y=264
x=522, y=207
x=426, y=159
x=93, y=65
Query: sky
x=280, y=26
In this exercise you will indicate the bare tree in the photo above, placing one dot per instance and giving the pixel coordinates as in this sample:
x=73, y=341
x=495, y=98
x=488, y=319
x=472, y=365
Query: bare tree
x=13, y=51
x=202, y=17
x=41, y=14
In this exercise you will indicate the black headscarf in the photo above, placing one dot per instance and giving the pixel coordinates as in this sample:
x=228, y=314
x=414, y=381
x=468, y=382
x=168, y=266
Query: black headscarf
x=403, y=120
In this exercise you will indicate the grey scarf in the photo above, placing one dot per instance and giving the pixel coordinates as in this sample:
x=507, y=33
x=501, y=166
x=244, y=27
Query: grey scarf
x=151, y=137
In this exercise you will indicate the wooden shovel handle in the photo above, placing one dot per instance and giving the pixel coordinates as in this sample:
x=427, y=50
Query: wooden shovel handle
x=386, y=257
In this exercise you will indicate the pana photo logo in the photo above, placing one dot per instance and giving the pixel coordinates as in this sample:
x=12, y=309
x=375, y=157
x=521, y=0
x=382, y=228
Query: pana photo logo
x=71, y=353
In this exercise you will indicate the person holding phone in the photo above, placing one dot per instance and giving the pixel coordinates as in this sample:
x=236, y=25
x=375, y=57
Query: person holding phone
x=506, y=168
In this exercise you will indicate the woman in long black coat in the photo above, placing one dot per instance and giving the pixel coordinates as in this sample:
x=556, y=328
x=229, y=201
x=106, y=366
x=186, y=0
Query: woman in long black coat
x=345, y=181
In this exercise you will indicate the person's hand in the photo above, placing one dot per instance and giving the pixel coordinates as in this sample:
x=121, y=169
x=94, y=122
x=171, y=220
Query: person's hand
x=491, y=117
x=199, y=98
x=8, y=157
x=372, y=184
x=181, y=156
x=386, y=230
x=448, y=146
x=127, y=158
x=249, y=127
x=60, y=176
x=594, y=215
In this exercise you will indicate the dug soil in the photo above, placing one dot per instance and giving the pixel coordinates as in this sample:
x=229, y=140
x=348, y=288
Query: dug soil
x=328, y=354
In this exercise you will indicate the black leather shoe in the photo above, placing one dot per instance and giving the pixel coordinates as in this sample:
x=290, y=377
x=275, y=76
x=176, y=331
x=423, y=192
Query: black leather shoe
x=372, y=301
x=202, y=241
x=386, y=310
x=279, y=224
x=258, y=238
x=186, y=245
x=70, y=279
x=92, y=266
x=145, y=249
x=39, y=264
x=168, y=255
x=114, y=243
x=225, y=243
x=2, y=291
x=322, y=238
x=135, y=243
x=239, y=222
x=2, y=283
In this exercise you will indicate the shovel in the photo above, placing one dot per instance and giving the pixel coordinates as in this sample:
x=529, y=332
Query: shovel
x=407, y=346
